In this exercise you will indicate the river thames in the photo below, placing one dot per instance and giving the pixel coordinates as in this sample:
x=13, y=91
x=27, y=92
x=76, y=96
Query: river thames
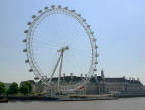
x=120, y=104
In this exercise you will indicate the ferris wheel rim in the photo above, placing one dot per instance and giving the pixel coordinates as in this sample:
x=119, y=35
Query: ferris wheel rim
x=57, y=10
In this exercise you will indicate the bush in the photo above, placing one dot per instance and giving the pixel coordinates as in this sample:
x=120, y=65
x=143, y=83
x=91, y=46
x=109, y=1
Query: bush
x=2, y=88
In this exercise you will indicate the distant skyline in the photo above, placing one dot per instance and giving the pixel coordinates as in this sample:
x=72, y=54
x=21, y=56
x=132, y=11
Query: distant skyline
x=118, y=25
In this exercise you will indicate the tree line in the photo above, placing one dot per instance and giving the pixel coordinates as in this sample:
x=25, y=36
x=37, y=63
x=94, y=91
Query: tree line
x=14, y=89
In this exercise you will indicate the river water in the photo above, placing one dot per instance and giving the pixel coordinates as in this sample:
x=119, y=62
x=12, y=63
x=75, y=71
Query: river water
x=120, y=104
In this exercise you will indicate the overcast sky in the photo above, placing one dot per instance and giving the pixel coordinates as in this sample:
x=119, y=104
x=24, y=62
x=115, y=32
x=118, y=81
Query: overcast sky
x=119, y=27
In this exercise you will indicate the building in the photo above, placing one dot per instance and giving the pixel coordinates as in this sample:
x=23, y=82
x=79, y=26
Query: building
x=122, y=84
x=98, y=84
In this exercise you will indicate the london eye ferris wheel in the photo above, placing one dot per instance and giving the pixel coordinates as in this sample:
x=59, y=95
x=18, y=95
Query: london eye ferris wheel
x=59, y=42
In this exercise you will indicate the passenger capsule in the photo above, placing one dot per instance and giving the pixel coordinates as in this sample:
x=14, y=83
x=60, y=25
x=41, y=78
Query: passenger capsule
x=96, y=46
x=79, y=15
x=95, y=69
x=33, y=16
x=46, y=8
x=26, y=31
x=84, y=20
x=40, y=11
x=66, y=8
x=27, y=61
x=72, y=10
x=94, y=39
x=30, y=70
x=29, y=23
x=89, y=26
x=97, y=55
x=36, y=78
x=25, y=40
x=66, y=48
x=25, y=50
x=92, y=33
x=96, y=62
x=53, y=6
x=59, y=6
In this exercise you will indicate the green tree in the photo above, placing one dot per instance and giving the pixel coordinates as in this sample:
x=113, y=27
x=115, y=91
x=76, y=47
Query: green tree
x=26, y=87
x=13, y=88
x=2, y=88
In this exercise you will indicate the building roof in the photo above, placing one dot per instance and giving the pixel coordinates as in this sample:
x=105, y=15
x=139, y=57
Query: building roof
x=134, y=81
x=115, y=79
x=69, y=78
x=122, y=80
